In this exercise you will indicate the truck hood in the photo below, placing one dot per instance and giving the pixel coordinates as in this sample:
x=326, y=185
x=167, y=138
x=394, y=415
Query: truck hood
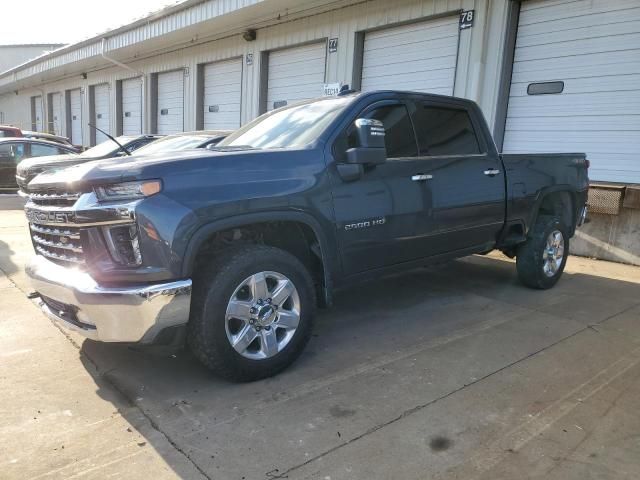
x=137, y=167
x=40, y=164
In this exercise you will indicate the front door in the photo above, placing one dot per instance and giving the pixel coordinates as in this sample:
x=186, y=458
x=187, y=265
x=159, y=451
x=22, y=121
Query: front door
x=382, y=217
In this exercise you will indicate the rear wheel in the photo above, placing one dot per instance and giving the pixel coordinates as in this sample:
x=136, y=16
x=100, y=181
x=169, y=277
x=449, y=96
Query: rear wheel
x=252, y=312
x=541, y=259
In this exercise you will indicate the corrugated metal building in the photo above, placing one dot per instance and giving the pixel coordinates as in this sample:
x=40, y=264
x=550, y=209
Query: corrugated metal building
x=550, y=75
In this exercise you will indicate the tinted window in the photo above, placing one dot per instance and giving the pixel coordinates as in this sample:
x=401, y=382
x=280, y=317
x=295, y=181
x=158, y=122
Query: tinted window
x=43, y=150
x=11, y=152
x=399, y=138
x=445, y=131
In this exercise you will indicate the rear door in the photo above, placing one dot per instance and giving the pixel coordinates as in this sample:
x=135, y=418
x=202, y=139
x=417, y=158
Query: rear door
x=464, y=178
x=383, y=218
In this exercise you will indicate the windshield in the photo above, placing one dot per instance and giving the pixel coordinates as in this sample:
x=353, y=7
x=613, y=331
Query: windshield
x=107, y=147
x=290, y=127
x=173, y=143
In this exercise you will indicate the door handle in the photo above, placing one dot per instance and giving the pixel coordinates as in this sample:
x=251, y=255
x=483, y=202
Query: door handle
x=492, y=172
x=421, y=177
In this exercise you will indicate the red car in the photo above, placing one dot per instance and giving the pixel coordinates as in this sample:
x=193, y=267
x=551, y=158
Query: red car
x=8, y=131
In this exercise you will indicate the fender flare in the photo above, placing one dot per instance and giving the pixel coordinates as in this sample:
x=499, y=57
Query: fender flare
x=544, y=193
x=206, y=230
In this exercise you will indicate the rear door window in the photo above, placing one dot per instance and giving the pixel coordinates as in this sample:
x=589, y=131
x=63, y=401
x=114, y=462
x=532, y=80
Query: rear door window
x=444, y=131
x=38, y=150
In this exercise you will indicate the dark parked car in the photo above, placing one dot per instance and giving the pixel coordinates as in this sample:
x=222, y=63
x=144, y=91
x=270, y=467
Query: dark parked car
x=236, y=247
x=28, y=169
x=15, y=150
x=185, y=141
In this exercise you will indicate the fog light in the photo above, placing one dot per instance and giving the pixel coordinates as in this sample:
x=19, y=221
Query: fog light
x=123, y=244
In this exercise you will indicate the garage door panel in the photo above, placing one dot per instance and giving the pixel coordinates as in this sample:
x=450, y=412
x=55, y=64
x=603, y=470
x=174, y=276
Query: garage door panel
x=580, y=25
x=171, y=101
x=541, y=11
x=56, y=110
x=299, y=67
x=223, y=88
x=577, y=34
x=416, y=37
x=101, y=109
x=578, y=48
x=582, y=123
x=132, y=106
x=615, y=63
x=599, y=62
x=420, y=56
x=296, y=73
x=439, y=51
x=602, y=84
x=75, y=111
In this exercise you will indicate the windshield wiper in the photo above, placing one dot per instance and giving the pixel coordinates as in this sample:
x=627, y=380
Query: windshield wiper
x=228, y=148
x=111, y=138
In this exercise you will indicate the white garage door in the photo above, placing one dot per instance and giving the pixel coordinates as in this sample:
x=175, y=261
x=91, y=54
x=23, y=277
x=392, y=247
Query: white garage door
x=132, y=106
x=56, y=114
x=222, y=92
x=75, y=113
x=295, y=74
x=593, y=47
x=419, y=57
x=39, y=113
x=101, y=105
x=170, y=102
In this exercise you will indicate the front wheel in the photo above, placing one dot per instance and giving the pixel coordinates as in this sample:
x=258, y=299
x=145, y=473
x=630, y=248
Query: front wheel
x=540, y=261
x=252, y=312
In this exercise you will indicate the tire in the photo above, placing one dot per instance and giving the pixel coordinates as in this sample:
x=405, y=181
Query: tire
x=536, y=268
x=227, y=286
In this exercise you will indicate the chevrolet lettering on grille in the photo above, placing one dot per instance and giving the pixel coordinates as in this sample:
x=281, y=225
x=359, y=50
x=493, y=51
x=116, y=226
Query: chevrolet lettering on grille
x=35, y=216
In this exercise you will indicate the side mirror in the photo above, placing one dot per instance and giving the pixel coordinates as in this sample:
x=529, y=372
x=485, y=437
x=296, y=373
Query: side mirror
x=371, y=150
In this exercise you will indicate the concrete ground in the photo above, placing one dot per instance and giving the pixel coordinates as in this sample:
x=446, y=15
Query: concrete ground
x=455, y=372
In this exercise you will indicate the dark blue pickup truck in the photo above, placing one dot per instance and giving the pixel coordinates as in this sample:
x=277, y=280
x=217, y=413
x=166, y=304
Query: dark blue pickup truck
x=234, y=248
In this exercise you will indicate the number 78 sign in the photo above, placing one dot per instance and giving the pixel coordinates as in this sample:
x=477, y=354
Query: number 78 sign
x=466, y=19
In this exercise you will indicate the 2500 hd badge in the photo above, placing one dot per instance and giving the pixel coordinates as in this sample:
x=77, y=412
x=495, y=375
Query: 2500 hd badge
x=365, y=224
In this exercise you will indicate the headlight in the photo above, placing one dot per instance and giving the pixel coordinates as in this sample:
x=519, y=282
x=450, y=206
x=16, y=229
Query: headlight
x=128, y=190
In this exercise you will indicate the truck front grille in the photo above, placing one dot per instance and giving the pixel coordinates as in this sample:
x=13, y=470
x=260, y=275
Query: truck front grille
x=52, y=198
x=60, y=244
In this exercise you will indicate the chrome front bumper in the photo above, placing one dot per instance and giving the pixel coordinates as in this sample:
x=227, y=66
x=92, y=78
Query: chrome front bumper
x=108, y=314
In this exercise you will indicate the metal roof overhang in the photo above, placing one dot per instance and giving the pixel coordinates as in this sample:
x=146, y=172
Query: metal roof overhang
x=186, y=24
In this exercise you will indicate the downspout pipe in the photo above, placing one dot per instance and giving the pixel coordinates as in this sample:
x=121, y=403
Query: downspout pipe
x=131, y=69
